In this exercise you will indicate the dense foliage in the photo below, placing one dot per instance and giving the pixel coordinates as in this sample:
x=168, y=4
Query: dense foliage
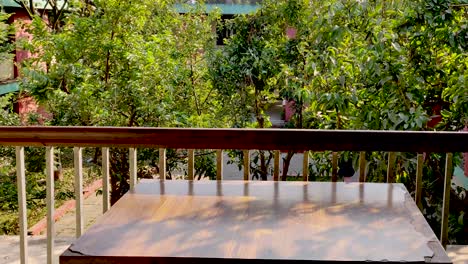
x=384, y=65
x=346, y=64
x=356, y=65
x=125, y=64
x=350, y=64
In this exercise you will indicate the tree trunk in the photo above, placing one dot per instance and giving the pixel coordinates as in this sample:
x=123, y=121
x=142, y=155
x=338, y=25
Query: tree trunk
x=263, y=166
x=97, y=153
x=119, y=174
x=261, y=124
x=286, y=163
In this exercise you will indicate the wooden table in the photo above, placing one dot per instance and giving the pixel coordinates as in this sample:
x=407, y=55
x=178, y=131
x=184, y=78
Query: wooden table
x=259, y=222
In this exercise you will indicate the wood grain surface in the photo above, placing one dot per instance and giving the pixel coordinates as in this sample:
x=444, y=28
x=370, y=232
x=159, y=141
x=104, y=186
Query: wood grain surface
x=267, y=139
x=259, y=222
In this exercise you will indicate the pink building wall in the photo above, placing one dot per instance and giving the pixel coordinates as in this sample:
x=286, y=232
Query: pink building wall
x=25, y=104
x=20, y=19
x=289, y=110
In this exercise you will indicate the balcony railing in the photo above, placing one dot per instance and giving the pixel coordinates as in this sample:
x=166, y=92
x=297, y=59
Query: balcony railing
x=219, y=139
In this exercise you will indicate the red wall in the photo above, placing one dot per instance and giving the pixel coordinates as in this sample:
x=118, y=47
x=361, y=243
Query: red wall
x=20, y=19
x=25, y=104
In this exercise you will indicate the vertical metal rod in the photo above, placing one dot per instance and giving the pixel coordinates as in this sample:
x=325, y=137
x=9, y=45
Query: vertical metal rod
x=305, y=166
x=305, y=192
x=162, y=164
x=419, y=171
x=219, y=188
x=334, y=166
x=391, y=167
x=361, y=193
x=390, y=196
x=246, y=165
x=50, y=203
x=333, y=192
x=23, y=222
x=446, y=202
x=78, y=162
x=105, y=180
x=362, y=166
x=191, y=164
x=133, y=167
x=219, y=164
x=190, y=188
x=276, y=165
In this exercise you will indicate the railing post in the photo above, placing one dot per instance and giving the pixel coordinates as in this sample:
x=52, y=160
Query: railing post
x=276, y=165
x=133, y=167
x=362, y=166
x=446, y=202
x=23, y=222
x=419, y=171
x=219, y=164
x=191, y=164
x=305, y=166
x=78, y=162
x=390, y=196
x=246, y=165
x=105, y=180
x=334, y=166
x=50, y=203
x=162, y=164
x=390, y=167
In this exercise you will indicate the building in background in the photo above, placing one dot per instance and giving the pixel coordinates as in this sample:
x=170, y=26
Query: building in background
x=10, y=69
x=228, y=9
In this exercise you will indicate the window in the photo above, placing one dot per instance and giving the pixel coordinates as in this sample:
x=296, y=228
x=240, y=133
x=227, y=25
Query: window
x=7, y=70
x=222, y=32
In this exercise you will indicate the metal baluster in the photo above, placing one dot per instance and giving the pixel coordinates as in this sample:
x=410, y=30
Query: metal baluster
x=219, y=164
x=50, y=201
x=276, y=165
x=419, y=171
x=23, y=222
x=390, y=167
x=390, y=196
x=191, y=163
x=305, y=166
x=246, y=165
x=105, y=180
x=162, y=164
x=133, y=167
x=334, y=166
x=78, y=162
x=362, y=166
x=446, y=202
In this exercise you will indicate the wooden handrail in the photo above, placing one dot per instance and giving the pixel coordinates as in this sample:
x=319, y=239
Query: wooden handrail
x=212, y=138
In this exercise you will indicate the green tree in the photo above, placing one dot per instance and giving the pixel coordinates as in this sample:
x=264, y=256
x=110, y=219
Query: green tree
x=437, y=49
x=382, y=65
x=369, y=64
x=6, y=32
x=7, y=116
x=250, y=69
x=125, y=64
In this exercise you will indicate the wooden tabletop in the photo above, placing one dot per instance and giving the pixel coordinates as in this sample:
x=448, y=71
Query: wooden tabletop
x=259, y=222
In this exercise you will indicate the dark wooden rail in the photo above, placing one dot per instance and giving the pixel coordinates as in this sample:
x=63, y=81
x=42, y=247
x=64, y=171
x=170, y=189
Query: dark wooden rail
x=266, y=139
x=220, y=139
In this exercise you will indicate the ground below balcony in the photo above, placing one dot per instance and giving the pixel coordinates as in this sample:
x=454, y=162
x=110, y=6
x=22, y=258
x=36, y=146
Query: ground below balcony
x=65, y=230
x=65, y=227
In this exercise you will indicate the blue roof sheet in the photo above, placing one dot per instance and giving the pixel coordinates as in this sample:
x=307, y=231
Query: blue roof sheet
x=37, y=3
x=225, y=9
x=8, y=88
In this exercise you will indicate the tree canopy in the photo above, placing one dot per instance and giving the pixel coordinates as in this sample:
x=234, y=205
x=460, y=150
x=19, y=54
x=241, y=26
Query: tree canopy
x=346, y=64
